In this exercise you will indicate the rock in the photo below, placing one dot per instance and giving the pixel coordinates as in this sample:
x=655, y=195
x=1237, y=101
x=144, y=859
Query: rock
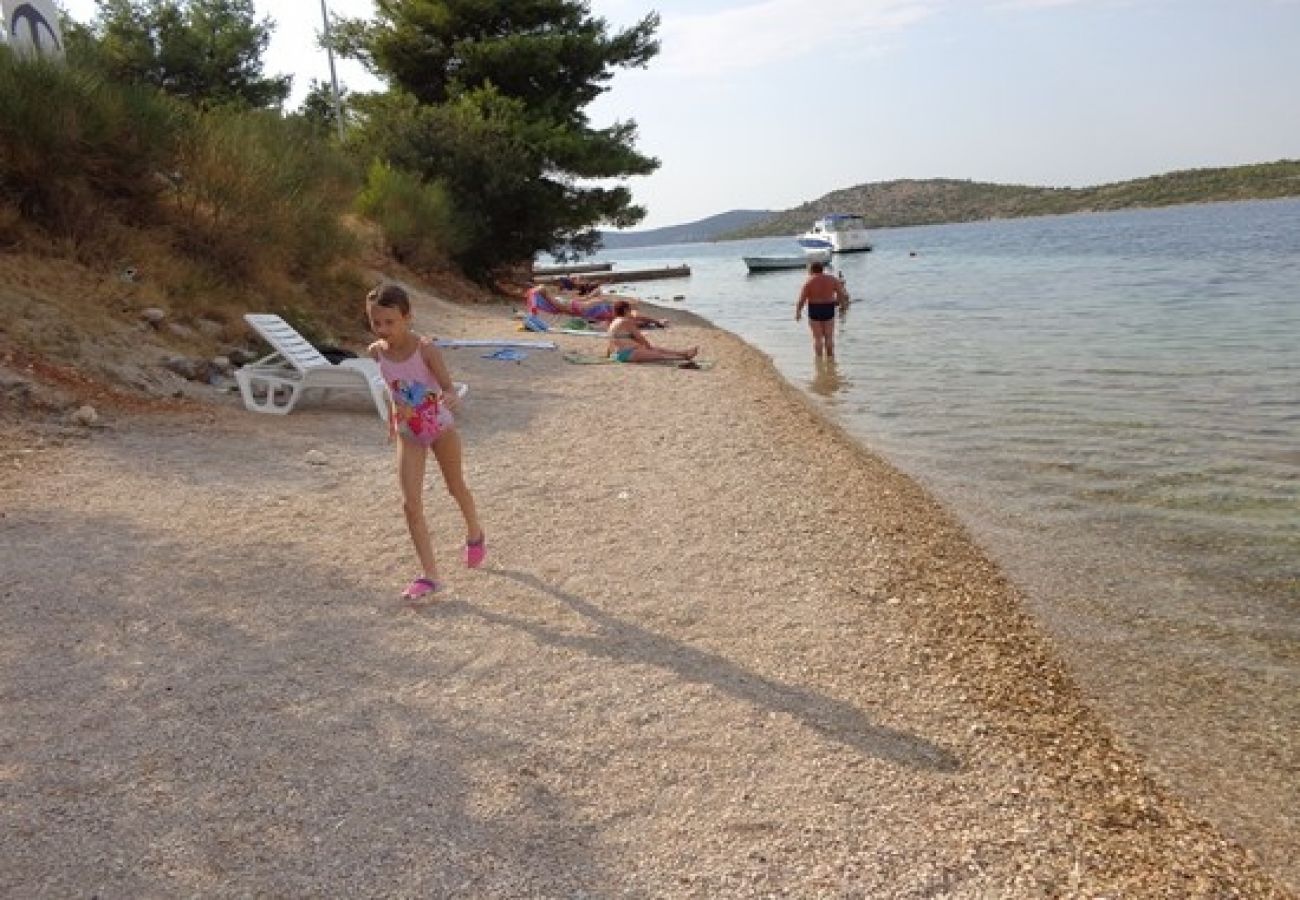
x=316, y=458
x=221, y=364
x=182, y=331
x=238, y=356
x=15, y=390
x=153, y=315
x=84, y=415
x=210, y=328
x=189, y=369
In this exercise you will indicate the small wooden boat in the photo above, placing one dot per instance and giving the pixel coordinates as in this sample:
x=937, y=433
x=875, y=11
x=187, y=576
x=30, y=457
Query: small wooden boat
x=794, y=261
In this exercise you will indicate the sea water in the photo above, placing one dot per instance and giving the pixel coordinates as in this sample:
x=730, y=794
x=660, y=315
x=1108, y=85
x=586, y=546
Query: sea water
x=1111, y=403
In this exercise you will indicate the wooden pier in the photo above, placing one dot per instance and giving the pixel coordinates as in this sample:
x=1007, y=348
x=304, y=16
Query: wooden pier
x=573, y=269
x=619, y=277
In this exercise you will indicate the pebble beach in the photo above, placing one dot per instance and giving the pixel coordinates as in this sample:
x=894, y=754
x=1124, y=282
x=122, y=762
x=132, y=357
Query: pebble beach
x=717, y=650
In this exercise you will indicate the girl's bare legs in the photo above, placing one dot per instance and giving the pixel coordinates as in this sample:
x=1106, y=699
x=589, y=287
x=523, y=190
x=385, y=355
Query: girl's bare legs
x=447, y=450
x=410, y=475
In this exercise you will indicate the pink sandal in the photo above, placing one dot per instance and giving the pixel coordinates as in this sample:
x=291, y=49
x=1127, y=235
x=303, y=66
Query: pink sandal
x=421, y=587
x=476, y=552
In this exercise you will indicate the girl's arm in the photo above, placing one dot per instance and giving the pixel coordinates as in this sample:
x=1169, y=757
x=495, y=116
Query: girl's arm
x=433, y=359
x=373, y=352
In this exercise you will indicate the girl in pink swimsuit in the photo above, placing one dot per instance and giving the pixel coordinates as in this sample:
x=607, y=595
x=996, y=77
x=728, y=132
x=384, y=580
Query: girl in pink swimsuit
x=423, y=398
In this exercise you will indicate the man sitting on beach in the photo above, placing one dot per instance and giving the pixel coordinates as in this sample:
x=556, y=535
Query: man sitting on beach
x=627, y=344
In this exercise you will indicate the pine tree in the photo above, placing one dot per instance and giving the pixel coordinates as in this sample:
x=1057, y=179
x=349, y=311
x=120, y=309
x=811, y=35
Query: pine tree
x=206, y=51
x=495, y=112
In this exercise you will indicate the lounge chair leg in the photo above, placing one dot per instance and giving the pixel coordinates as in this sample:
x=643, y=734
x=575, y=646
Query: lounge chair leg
x=251, y=385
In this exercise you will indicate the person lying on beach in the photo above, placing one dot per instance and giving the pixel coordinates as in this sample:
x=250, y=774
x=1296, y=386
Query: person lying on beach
x=542, y=298
x=577, y=285
x=627, y=344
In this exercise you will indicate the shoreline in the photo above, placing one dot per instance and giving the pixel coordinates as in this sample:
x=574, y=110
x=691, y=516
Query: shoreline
x=694, y=665
x=1214, y=730
x=1238, y=779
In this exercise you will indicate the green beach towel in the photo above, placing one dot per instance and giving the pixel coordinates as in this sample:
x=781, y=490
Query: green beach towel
x=587, y=359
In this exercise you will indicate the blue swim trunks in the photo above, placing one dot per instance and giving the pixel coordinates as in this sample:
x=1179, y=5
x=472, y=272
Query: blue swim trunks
x=623, y=354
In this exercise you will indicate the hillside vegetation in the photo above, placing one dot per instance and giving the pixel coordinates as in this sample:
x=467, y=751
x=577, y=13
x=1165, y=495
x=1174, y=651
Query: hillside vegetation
x=153, y=185
x=900, y=203
x=691, y=232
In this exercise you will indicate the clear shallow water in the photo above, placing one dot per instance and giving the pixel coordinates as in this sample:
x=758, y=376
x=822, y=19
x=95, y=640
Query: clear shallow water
x=1111, y=402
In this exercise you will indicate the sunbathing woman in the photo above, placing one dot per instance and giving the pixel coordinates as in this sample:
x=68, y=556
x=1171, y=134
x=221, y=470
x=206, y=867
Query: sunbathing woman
x=627, y=343
x=543, y=298
x=577, y=285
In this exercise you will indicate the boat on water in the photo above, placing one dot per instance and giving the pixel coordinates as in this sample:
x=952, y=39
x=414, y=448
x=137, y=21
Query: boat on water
x=792, y=261
x=838, y=233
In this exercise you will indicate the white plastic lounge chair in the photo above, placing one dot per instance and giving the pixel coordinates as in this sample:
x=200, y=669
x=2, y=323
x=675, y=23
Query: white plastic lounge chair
x=297, y=367
x=275, y=383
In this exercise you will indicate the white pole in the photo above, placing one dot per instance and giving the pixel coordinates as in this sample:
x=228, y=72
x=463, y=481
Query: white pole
x=334, y=78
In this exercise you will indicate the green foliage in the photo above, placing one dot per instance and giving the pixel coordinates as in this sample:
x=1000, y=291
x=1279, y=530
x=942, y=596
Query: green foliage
x=77, y=149
x=83, y=157
x=489, y=102
x=255, y=184
x=418, y=220
x=208, y=52
x=317, y=108
x=550, y=54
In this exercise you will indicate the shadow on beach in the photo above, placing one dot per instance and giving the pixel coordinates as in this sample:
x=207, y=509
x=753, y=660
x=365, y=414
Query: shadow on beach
x=629, y=643
x=183, y=712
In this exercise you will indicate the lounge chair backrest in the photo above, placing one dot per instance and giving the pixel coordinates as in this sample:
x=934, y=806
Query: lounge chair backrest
x=296, y=349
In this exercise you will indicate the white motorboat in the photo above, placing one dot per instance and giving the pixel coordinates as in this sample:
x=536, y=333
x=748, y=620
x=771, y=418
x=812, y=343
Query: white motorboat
x=838, y=233
x=773, y=263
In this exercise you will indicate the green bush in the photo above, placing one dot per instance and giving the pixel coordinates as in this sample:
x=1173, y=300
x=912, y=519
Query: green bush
x=83, y=157
x=76, y=150
x=255, y=185
x=417, y=217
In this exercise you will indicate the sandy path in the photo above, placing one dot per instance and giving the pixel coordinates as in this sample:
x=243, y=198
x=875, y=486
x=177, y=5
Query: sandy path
x=696, y=665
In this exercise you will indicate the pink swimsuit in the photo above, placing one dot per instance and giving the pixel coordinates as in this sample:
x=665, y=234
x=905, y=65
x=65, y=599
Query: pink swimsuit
x=418, y=411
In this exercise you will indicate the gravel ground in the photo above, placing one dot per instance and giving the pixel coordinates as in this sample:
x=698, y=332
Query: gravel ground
x=717, y=651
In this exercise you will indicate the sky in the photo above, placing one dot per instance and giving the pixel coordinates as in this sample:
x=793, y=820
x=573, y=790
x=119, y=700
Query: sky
x=766, y=104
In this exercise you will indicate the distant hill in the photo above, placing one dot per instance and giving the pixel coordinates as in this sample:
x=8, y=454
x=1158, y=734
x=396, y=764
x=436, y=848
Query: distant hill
x=692, y=232
x=898, y=203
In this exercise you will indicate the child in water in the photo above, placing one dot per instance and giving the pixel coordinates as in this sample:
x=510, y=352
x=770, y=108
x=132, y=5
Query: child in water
x=422, y=399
